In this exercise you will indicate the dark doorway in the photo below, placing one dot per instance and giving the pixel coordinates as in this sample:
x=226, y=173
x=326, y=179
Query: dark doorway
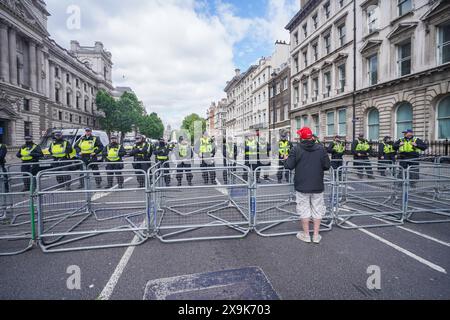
x=4, y=138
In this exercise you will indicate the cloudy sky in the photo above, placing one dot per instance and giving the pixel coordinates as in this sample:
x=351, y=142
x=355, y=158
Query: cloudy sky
x=176, y=54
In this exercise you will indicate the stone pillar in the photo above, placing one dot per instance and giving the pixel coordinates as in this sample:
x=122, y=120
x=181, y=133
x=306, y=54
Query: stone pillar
x=33, y=65
x=4, y=53
x=74, y=92
x=40, y=69
x=51, y=82
x=12, y=56
x=63, y=87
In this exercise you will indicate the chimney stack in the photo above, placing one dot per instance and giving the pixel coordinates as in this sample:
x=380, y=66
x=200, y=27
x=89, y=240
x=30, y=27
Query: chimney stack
x=303, y=3
x=238, y=72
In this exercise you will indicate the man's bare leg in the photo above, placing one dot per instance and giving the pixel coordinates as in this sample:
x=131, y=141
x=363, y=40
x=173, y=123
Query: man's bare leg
x=317, y=227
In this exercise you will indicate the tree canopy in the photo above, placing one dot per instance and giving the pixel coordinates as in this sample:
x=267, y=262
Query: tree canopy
x=194, y=122
x=151, y=126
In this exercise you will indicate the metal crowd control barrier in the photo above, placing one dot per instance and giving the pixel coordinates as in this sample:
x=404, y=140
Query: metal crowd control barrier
x=17, y=214
x=428, y=194
x=443, y=160
x=43, y=165
x=89, y=218
x=276, y=206
x=201, y=211
x=371, y=201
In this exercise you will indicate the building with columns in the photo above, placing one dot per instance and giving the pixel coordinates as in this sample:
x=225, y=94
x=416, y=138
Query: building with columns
x=402, y=68
x=43, y=85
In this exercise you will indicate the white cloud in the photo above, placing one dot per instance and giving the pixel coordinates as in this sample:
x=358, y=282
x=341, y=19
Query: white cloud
x=175, y=54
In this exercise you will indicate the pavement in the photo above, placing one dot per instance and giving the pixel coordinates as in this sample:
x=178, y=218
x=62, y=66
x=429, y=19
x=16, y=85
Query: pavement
x=413, y=259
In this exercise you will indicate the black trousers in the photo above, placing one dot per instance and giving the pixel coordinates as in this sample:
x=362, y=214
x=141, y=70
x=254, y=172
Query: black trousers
x=184, y=167
x=281, y=171
x=209, y=174
x=115, y=171
x=140, y=177
x=363, y=165
x=166, y=173
x=388, y=159
x=4, y=178
x=62, y=179
x=227, y=163
x=87, y=159
x=29, y=168
x=414, y=172
x=253, y=167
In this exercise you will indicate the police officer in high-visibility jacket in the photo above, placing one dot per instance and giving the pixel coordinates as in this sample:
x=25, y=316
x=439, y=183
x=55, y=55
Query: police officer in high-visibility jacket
x=142, y=152
x=264, y=155
x=184, y=153
x=113, y=154
x=29, y=153
x=206, y=150
x=3, y=153
x=60, y=150
x=284, y=147
x=251, y=156
x=229, y=153
x=361, y=150
x=386, y=154
x=162, y=155
x=337, y=151
x=88, y=148
x=410, y=147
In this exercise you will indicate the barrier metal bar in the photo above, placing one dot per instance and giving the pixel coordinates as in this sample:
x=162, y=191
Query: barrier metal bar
x=200, y=210
x=366, y=202
x=92, y=219
x=428, y=194
x=276, y=205
x=43, y=165
x=443, y=160
x=17, y=235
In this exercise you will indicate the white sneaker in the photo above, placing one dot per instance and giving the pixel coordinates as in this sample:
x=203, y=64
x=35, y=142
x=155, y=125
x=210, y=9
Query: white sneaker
x=304, y=237
x=317, y=239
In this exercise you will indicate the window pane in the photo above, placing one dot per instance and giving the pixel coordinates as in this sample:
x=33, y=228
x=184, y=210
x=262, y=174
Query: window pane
x=374, y=132
x=374, y=117
x=404, y=113
x=444, y=119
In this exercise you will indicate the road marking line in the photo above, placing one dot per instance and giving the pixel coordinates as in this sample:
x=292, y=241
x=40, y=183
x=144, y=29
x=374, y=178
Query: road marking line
x=114, y=279
x=402, y=250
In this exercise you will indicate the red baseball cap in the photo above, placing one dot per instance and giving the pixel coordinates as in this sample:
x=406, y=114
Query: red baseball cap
x=305, y=133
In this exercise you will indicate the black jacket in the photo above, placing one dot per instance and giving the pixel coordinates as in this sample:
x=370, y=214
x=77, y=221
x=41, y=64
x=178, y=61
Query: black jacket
x=309, y=160
x=364, y=154
x=334, y=154
x=142, y=152
x=3, y=152
x=121, y=154
x=410, y=155
x=98, y=145
x=225, y=150
x=36, y=153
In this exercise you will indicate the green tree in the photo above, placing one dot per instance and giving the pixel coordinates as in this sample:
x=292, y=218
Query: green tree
x=119, y=115
x=108, y=106
x=151, y=126
x=189, y=124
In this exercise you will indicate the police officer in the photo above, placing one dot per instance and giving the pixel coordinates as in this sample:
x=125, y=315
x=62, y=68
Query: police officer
x=361, y=150
x=162, y=152
x=386, y=154
x=284, y=147
x=251, y=156
x=88, y=149
x=29, y=153
x=264, y=150
x=229, y=153
x=184, y=153
x=142, y=152
x=206, y=150
x=410, y=147
x=3, y=153
x=337, y=151
x=60, y=150
x=113, y=154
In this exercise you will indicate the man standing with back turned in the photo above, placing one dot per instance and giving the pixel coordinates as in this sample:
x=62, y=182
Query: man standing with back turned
x=310, y=160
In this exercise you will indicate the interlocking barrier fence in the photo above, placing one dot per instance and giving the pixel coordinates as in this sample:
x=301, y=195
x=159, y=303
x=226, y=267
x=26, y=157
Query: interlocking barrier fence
x=188, y=201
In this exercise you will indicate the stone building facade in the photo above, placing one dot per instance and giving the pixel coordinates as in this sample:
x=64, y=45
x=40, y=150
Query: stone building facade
x=280, y=100
x=402, y=61
x=43, y=85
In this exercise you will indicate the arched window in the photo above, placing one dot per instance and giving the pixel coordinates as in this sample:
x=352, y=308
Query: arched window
x=443, y=118
x=373, y=122
x=404, y=118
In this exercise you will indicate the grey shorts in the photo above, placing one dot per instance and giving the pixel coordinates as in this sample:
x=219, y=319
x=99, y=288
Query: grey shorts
x=311, y=205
